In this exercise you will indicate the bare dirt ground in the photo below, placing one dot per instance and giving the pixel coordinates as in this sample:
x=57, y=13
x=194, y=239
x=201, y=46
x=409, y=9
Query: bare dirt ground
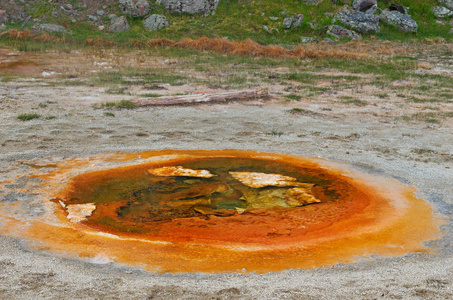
x=373, y=128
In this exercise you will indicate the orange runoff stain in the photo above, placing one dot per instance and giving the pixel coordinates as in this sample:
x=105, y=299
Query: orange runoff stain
x=180, y=223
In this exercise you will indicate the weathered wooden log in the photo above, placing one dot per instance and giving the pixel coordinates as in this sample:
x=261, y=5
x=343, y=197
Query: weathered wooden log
x=201, y=98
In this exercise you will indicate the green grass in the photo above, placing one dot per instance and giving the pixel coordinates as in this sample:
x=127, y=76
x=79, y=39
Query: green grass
x=123, y=104
x=28, y=117
x=293, y=97
x=150, y=95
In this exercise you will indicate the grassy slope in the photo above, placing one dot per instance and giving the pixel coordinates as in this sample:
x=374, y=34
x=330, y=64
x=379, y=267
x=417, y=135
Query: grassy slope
x=244, y=19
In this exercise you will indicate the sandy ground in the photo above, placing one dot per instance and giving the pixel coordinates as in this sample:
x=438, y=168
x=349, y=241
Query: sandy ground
x=342, y=133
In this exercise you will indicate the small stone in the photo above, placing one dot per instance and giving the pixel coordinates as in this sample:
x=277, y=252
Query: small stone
x=441, y=12
x=441, y=22
x=287, y=22
x=341, y=32
x=274, y=18
x=306, y=39
x=297, y=20
x=67, y=8
x=119, y=24
x=92, y=18
x=100, y=13
x=329, y=41
x=155, y=22
x=266, y=29
x=102, y=27
x=2, y=27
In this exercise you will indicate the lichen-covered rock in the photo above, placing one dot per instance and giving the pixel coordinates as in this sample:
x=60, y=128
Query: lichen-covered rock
x=3, y=17
x=363, y=5
x=287, y=22
x=297, y=20
x=447, y=3
x=401, y=21
x=359, y=21
x=135, y=8
x=48, y=28
x=155, y=22
x=293, y=21
x=192, y=7
x=441, y=12
x=119, y=24
x=341, y=32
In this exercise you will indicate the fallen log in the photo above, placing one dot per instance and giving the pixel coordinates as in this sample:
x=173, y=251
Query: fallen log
x=201, y=98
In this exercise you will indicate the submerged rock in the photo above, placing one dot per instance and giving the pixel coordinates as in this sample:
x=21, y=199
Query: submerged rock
x=401, y=21
x=300, y=197
x=119, y=24
x=359, y=21
x=260, y=180
x=155, y=22
x=180, y=171
x=79, y=212
x=135, y=8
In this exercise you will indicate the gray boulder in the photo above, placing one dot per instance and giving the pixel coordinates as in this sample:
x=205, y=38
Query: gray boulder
x=155, y=22
x=118, y=24
x=48, y=28
x=341, y=32
x=3, y=17
x=441, y=12
x=192, y=7
x=293, y=22
x=401, y=21
x=363, y=5
x=135, y=8
x=359, y=21
x=306, y=39
x=447, y=3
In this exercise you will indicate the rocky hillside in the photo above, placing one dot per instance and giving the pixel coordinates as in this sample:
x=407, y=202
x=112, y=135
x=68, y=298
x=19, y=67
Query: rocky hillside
x=266, y=21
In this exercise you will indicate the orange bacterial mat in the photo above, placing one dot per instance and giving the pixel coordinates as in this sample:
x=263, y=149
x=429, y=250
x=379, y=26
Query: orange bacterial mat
x=220, y=211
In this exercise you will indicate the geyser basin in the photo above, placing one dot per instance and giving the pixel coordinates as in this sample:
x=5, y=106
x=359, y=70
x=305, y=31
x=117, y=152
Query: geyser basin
x=225, y=210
